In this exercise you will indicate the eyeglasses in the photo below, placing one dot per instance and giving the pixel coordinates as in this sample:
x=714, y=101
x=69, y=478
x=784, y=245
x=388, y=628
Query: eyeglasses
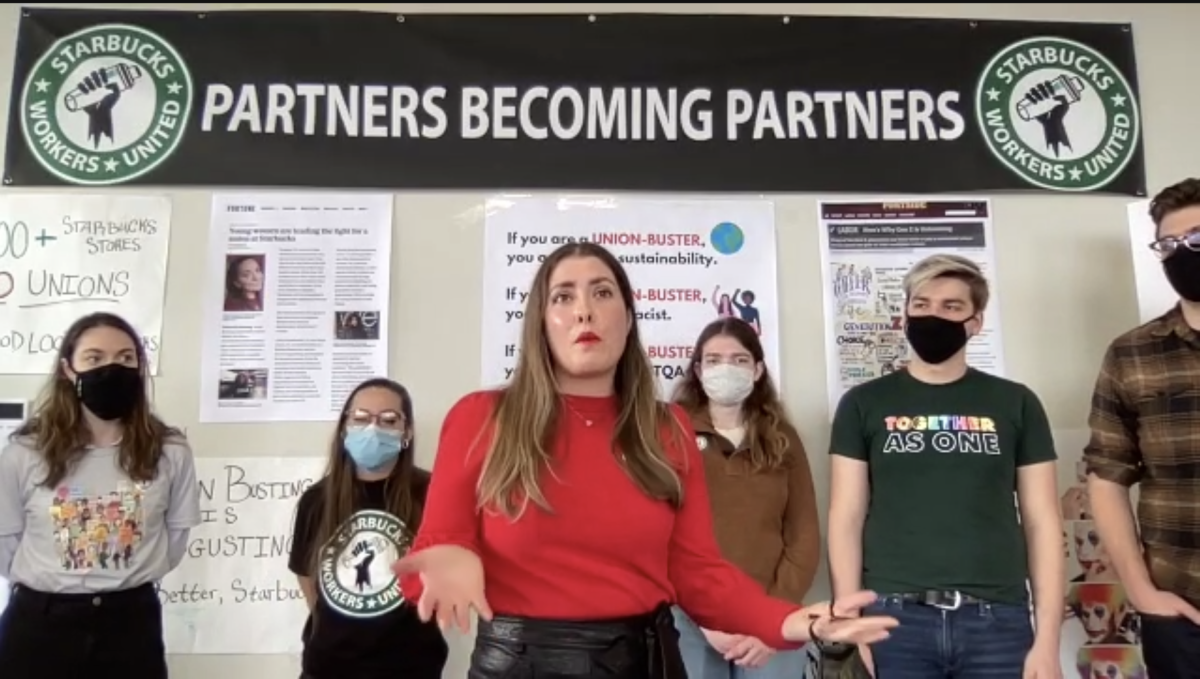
x=388, y=419
x=1165, y=247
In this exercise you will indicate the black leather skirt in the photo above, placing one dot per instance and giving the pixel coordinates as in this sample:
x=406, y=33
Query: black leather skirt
x=641, y=647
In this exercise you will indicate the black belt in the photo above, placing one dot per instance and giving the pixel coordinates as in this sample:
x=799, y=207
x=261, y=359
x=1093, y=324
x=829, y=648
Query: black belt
x=135, y=597
x=609, y=642
x=138, y=594
x=947, y=600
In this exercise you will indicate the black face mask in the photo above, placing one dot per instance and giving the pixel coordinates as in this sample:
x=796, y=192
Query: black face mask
x=111, y=392
x=1183, y=273
x=934, y=338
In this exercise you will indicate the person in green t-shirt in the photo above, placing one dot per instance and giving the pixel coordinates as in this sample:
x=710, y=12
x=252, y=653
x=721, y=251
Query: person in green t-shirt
x=925, y=462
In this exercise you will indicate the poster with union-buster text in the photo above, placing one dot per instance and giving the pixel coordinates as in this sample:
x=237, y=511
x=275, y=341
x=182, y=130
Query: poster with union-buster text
x=690, y=262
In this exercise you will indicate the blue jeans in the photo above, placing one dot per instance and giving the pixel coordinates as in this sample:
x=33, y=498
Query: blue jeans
x=977, y=641
x=703, y=662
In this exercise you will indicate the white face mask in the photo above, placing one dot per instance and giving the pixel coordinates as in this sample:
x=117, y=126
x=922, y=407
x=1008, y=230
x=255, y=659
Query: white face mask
x=726, y=384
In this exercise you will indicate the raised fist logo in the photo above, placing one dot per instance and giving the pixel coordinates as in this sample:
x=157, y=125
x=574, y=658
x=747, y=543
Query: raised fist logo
x=1048, y=103
x=97, y=93
x=363, y=554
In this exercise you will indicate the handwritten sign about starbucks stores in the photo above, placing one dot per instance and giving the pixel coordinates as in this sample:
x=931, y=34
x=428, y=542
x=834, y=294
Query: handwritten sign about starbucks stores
x=63, y=256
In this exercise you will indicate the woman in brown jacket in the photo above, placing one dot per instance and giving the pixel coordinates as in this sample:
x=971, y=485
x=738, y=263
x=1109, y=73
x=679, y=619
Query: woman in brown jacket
x=761, y=489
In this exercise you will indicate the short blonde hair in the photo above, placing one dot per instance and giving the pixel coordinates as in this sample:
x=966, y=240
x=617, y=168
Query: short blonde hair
x=949, y=266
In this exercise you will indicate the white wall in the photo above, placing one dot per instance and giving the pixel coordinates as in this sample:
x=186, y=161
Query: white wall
x=1064, y=267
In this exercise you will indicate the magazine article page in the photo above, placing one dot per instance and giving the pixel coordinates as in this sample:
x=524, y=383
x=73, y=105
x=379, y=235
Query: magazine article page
x=297, y=300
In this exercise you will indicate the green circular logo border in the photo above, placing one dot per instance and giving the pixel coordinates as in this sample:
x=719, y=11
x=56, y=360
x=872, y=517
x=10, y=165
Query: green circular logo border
x=323, y=590
x=168, y=151
x=1135, y=107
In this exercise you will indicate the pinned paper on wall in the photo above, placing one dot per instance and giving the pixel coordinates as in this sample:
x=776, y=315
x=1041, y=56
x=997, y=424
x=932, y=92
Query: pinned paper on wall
x=63, y=256
x=690, y=262
x=1100, y=629
x=296, y=303
x=868, y=247
x=1154, y=294
x=233, y=594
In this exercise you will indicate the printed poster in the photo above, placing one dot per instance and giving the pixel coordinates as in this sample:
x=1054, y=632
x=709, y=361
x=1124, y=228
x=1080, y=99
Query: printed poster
x=867, y=247
x=67, y=255
x=233, y=594
x=297, y=300
x=690, y=261
x=1101, y=634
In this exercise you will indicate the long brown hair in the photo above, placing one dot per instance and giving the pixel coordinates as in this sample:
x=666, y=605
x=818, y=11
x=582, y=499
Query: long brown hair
x=766, y=421
x=338, y=500
x=59, y=432
x=528, y=409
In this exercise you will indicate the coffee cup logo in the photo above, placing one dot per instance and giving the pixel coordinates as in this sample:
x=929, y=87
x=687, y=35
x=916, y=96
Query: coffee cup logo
x=1058, y=114
x=106, y=105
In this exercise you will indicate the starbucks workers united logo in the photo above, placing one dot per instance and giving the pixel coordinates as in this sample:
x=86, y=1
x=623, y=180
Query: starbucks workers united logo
x=1058, y=113
x=356, y=566
x=106, y=105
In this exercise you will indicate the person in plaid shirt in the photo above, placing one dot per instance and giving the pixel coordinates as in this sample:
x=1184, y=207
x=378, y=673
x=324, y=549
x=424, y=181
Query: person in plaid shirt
x=1145, y=431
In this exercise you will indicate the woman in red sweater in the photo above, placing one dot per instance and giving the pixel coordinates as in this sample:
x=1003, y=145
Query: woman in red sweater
x=578, y=500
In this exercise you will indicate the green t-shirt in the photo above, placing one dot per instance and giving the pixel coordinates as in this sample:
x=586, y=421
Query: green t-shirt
x=943, y=463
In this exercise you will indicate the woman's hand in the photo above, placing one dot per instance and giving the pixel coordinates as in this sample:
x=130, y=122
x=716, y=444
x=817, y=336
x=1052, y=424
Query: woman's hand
x=452, y=577
x=720, y=641
x=749, y=652
x=840, y=623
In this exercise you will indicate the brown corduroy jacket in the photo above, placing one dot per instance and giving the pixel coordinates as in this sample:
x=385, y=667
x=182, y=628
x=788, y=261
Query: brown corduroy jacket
x=766, y=522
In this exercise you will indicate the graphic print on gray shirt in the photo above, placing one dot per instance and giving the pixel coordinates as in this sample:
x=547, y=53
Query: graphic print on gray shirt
x=97, y=530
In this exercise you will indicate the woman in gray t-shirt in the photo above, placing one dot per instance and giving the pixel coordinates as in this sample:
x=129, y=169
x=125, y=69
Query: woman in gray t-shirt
x=97, y=496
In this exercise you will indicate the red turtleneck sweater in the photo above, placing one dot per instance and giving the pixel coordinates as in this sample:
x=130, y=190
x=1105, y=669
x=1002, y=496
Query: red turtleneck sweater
x=607, y=550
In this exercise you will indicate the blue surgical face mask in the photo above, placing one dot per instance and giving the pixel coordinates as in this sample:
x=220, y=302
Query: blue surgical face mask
x=371, y=448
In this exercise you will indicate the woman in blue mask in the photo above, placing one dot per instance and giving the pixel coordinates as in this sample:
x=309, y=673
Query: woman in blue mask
x=350, y=527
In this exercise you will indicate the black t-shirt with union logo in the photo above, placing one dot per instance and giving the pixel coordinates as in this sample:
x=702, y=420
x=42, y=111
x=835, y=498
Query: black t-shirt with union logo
x=361, y=627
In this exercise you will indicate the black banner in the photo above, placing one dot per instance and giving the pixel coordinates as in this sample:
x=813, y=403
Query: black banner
x=608, y=102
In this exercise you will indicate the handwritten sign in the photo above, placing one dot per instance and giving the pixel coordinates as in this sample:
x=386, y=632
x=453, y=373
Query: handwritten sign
x=233, y=593
x=63, y=256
